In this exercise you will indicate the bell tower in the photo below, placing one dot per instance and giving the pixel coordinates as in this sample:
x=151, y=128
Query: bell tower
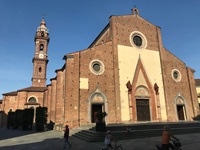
x=40, y=59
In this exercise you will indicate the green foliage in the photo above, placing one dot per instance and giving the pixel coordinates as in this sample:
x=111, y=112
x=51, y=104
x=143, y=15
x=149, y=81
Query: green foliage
x=27, y=119
x=10, y=119
x=100, y=125
x=101, y=115
x=18, y=118
x=41, y=118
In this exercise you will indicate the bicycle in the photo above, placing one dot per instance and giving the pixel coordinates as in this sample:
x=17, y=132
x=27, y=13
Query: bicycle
x=116, y=147
x=176, y=145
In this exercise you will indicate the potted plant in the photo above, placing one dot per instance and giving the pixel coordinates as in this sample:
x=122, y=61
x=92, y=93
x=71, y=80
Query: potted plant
x=100, y=124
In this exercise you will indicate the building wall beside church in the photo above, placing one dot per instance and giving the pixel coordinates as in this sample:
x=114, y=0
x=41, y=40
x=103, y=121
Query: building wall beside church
x=9, y=102
x=198, y=92
x=193, y=91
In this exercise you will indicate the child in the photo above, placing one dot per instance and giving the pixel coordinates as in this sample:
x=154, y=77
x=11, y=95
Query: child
x=108, y=140
x=128, y=131
x=66, y=137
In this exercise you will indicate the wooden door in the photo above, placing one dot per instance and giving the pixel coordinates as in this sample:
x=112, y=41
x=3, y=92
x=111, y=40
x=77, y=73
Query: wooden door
x=180, y=111
x=95, y=109
x=143, y=112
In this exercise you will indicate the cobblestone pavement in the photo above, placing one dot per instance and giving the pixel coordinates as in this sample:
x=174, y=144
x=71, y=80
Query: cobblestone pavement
x=53, y=140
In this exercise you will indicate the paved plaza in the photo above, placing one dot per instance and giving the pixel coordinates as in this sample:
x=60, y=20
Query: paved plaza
x=53, y=140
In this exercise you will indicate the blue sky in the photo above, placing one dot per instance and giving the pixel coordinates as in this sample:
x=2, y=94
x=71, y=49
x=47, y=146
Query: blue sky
x=74, y=24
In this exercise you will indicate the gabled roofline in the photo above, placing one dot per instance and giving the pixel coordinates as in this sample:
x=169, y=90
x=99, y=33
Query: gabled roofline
x=174, y=55
x=100, y=34
x=33, y=89
x=14, y=93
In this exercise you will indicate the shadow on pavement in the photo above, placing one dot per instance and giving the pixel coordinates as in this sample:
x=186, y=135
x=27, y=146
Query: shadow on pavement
x=11, y=133
x=50, y=144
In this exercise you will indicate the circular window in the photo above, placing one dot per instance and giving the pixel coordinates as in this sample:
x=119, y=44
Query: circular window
x=176, y=75
x=138, y=40
x=96, y=67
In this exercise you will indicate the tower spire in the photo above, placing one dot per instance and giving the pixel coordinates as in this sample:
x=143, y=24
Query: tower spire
x=40, y=59
x=42, y=26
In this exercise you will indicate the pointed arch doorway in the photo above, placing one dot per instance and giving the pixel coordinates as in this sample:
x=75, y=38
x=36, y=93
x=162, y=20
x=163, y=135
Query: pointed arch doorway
x=180, y=108
x=143, y=99
x=95, y=109
x=180, y=112
x=143, y=102
x=97, y=103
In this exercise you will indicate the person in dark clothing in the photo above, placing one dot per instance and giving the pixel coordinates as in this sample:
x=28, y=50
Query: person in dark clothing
x=66, y=137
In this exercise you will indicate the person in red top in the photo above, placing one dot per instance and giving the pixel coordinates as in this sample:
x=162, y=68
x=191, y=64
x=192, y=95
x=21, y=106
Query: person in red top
x=66, y=137
x=166, y=136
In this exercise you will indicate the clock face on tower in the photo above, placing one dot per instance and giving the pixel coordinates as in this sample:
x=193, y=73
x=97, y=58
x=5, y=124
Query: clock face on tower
x=41, y=55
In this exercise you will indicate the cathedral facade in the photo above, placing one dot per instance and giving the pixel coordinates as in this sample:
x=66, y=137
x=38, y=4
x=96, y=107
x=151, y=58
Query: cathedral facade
x=125, y=72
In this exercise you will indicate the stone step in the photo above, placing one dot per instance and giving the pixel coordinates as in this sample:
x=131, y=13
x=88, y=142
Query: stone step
x=137, y=130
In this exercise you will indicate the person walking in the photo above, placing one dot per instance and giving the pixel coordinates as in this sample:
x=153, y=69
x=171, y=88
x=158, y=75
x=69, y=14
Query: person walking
x=66, y=137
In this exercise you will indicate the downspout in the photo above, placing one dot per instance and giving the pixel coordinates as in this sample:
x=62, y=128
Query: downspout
x=79, y=89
